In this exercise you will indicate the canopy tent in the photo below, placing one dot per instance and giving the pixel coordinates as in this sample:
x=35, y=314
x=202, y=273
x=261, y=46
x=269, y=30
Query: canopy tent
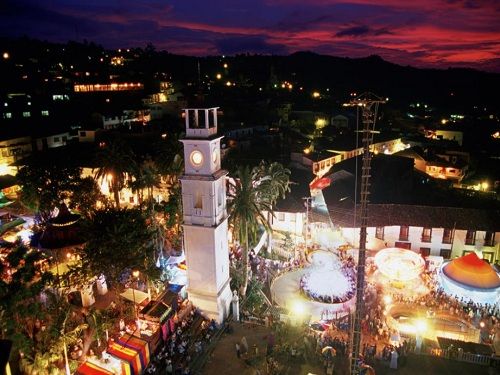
x=155, y=311
x=137, y=344
x=176, y=260
x=130, y=358
x=89, y=368
x=470, y=271
x=134, y=295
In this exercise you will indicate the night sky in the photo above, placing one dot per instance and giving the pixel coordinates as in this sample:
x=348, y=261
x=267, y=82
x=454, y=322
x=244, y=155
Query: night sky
x=424, y=33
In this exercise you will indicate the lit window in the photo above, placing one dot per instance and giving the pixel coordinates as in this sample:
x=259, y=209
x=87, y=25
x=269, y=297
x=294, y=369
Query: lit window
x=26, y=114
x=7, y=115
x=29, y=103
x=45, y=113
x=6, y=104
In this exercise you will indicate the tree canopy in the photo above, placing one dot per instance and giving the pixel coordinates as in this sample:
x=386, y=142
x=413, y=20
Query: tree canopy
x=118, y=239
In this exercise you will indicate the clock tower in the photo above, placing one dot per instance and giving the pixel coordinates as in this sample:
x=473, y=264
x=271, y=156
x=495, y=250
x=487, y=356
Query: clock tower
x=205, y=215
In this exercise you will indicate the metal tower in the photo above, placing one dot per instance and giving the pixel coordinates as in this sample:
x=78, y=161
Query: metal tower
x=368, y=104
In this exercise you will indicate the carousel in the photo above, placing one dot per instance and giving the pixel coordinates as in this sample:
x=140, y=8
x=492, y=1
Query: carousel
x=323, y=290
x=398, y=271
x=470, y=278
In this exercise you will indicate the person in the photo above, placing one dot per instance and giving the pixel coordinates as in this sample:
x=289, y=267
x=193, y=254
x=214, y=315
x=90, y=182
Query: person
x=244, y=345
x=394, y=359
x=238, y=352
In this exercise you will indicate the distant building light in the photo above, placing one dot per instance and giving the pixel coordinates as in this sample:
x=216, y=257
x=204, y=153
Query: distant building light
x=5, y=104
x=228, y=83
x=26, y=114
x=218, y=76
x=108, y=87
x=444, y=121
x=7, y=115
x=29, y=103
x=225, y=65
x=5, y=55
x=45, y=113
x=316, y=94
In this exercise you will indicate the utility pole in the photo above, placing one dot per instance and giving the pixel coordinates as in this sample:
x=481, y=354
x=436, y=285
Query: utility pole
x=368, y=104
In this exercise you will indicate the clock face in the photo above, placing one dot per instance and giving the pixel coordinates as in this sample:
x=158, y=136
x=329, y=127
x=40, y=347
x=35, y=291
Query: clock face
x=196, y=158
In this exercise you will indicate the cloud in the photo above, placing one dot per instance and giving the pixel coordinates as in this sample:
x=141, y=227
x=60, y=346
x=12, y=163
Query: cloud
x=251, y=44
x=354, y=31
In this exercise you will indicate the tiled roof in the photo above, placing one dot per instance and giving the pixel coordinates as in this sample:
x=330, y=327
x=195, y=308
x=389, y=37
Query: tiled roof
x=380, y=215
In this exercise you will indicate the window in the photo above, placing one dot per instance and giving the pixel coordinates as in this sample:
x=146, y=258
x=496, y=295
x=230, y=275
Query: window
x=445, y=253
x=64, y=138
x=379, y=233
x=470, y=238
x=7, y=115
x=281, y=216
x=26, y=114
x=425, y=251
x=83, y=134
x=426, y=235
x=403, y=245
x=131, y=200
x=403, y=232
x=292, y=218
x=198, y=203
x=45, y=113
x=447, y=235
x=57, y=139
x=489, y=239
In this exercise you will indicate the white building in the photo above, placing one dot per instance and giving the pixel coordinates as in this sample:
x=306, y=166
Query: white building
x=205, y=215
x=443, y=231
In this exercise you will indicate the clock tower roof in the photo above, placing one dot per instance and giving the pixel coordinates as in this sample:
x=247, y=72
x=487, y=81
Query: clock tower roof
x=201, y=123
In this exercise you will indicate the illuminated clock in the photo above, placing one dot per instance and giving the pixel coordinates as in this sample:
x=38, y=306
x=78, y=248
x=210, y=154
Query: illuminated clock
x=196, y=158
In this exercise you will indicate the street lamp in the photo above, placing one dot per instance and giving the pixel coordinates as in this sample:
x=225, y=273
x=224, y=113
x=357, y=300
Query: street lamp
x=135, y=274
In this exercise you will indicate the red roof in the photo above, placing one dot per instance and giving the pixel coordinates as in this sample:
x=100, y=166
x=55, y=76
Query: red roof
x=471, y=271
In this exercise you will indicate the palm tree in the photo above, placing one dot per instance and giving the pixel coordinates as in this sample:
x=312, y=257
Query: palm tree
x=116, y=160
x=246, y=208
x=275, y=182
x=146, y=176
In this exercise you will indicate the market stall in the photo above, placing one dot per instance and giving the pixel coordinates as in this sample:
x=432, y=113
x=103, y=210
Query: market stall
x=130, y=358
x=139, y=345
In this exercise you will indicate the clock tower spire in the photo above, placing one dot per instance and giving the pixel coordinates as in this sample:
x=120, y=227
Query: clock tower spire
x=205, y=215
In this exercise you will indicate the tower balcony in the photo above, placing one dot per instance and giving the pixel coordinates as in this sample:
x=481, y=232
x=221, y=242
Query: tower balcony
x=200, y=123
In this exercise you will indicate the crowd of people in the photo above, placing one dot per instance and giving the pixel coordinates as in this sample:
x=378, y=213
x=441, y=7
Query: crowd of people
x=186, y=341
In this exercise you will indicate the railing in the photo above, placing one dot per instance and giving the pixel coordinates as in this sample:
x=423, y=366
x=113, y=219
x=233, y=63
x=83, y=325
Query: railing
x=457, y=355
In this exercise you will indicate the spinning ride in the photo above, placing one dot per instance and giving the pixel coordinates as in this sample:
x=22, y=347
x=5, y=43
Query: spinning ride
x=399, y=265
x=471, y=278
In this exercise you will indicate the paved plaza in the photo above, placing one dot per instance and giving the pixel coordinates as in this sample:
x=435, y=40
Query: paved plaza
x=223, y=360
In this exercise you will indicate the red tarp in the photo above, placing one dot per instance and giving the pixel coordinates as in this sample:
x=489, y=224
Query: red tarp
x=472, y=271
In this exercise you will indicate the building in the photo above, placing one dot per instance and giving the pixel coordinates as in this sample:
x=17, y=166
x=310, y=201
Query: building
x=205, y=215
x=449, y=232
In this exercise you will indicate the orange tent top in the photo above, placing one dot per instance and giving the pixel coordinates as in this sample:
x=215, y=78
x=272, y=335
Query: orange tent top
x=471, y=271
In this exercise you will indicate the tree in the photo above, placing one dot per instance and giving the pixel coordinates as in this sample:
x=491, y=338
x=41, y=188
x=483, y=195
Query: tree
x=246, y=208
x=116, y=161
x=45, y=184
x=275, y=182
x=146, y=176
x=118, y=239
x=85, y=195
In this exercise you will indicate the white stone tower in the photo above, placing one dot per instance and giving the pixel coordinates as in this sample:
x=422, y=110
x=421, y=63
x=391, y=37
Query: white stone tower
x=205, y=215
